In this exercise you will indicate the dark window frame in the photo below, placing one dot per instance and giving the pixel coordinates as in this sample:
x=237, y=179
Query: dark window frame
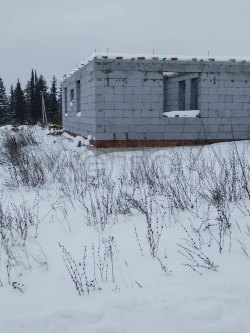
x=78, y=96
x=194, y=105
x=182, y=95
x=65, y=100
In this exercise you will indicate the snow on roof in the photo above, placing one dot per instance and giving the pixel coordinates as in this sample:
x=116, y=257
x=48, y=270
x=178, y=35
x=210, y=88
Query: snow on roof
x=140, y=56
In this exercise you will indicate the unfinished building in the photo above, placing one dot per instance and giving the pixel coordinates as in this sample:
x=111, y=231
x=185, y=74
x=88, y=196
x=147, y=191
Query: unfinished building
x=157, y=101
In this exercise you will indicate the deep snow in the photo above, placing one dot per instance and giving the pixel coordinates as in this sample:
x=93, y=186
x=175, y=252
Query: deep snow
x=144, y=297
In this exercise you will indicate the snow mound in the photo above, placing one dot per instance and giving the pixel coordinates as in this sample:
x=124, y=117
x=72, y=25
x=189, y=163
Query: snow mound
x=186, y=113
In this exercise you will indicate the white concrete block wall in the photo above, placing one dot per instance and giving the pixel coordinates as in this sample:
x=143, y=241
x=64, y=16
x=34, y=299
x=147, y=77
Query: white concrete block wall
x=85, y=124
x=123, y=100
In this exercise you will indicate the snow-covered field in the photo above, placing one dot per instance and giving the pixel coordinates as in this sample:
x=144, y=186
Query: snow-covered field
x=153, y=240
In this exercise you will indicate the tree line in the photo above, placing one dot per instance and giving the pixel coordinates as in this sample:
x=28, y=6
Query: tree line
x=24, y=106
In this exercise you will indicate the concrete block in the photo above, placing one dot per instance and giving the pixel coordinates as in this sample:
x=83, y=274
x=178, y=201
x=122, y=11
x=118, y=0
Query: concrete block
x=132, y=113
x=150, y=66
x=156, y=128
x=122, y=128
x=190, y=128
x=122, y=121
x=117, y=74
x=157, y=106
x=246, y=106
x=114, y=98
x=134, y=82
x=99, y=83
x=100, y=113
x=132, y=98
x=189, y=121
x=155, y=136
x=234, y=106
x=113, y=113
x=115, y=82
x=217, y=91
x=156, y=120
x=214, y=135
x=100, y=97
x=135, y=75
x=225, y=128
x=151, y=98
x=240, y=113
x=246, y=91
x=154, y=75
x=221, y=98
x=226, y=113
x=228, y=98
x=192, y=136
x=210, y=121
x=137, y=136
x=105, y=121
x=203, y=90
x=172, y=136
x=138, y=128
x=101, y=74
x=104, y=136
x=100, y=128
x=229, y=84
x=109, y=128
x=204, y=98
x=105, y=105
x=122, y=90
x=241, y=121
x=211, y=128
x=152, y=83
x=174, y=128
x=148, y=113
x=235, y=91
x=103, y=90
x=241, y=135
x=121, y=136
x=123, y=105
x=137, y=105
x=141, y=90
x=217, y=106
x=121, y=65
x=241, y=98
x=226, y=121
x=140, y=121
x=203, y=106
x=240, y=128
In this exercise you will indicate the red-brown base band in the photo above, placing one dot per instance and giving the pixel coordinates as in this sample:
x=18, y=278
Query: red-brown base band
x=151, y=143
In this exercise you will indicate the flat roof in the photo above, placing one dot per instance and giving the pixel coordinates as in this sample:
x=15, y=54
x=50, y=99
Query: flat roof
x=155, y=57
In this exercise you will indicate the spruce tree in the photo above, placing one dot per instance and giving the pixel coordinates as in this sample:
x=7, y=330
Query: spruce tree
x=53, y=109
x=30, y=97
x=20, y=107
x=3, y=104
x=59, y=121
x=10, y=110
x=40, y=89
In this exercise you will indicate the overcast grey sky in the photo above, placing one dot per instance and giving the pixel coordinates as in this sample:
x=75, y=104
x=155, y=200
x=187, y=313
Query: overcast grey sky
x=53, y=36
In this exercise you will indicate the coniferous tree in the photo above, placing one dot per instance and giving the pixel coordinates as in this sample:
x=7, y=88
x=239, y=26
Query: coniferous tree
x=30, y=96
x=25, y=107
x=40, y=89
x=20, y=108
x=3, y=104
x=10, y=110
x=53, y=109
x=60, y=105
